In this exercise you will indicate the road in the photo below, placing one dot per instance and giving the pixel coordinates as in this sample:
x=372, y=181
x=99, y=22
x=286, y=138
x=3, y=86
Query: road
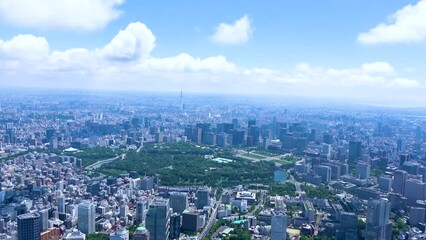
x=101, y=162
x=211, y=221
x=266, y=158
x=296, y=183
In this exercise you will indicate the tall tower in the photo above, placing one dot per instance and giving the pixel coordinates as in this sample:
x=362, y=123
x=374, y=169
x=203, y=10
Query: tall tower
x=181, y=98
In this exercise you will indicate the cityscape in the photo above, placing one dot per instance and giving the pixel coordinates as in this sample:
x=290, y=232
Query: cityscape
x=79, y=166
x=212, y=120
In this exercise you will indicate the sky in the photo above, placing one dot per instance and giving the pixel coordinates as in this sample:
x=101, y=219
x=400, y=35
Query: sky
x=355, y=50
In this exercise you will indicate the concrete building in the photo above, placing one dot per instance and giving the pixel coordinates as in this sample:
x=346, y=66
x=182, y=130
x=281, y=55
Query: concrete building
x=178, y=201
x=74, y=235
x=362, y=170
x=190, y=220
x=417, y=215
x=278, y=225
x=398, y=183
x=324, y=172
x=44, y=217
x=203, y=197
x=175, y=225
x=355, y=151
x=29, y=226
x=158, y=219
x=141, y=233
x=140, y=210
x=348, y=226
x=120, y=234
x=415, y=190
x=378, y=226
x=86, y=217
x=385, y=183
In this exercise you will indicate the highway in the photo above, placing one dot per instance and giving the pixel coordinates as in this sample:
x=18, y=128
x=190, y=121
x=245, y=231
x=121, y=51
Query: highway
x=211, y=220
x=101, y=162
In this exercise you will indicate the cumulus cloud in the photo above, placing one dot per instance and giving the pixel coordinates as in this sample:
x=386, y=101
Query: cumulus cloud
x=406, y=25
x=236, y=33
x=24, y=46
x=60, y=14
x=131, y=43
x=127, y=63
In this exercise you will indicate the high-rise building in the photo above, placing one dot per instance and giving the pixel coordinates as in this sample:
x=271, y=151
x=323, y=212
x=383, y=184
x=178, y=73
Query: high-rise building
x=362, y=171
x=278, y=226
x=29, y=226
x=86, y=217
x=61, y=203
x=44, y=217
x=324, y=172
x=385, y=183
x=354, y=151
x=378, y=226
x=158, y=219
x=178, y=201
x=202, y=198
x=141, y=233
x=175, y=224
x=147, y=183
x=140, y=211
x=124, y=210
x=416, y=190
x=398, y=183
x=348, y=226
x=417, y=215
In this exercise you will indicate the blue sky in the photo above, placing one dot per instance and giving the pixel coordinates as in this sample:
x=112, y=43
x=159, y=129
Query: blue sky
x=295, y=46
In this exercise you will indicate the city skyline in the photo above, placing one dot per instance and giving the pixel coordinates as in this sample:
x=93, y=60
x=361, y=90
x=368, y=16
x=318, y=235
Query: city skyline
x=355, y=51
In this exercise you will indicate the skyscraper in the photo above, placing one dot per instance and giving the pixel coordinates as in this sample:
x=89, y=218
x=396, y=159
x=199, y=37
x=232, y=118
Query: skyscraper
x=398, y=183
x=44, y=216
x=140, y=211
x=86, y=217
x=61, y=204
x=278, y=226
x=158, y=219
x=178, y=201
x=175, y=224
x=29, y=226
x=348, y=226
x=416, y=190
x=202, y=198
x=354, y=151
x=363, y=170
x=378, y=226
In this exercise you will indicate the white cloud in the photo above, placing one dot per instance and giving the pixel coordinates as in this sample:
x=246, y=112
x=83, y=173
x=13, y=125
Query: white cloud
x=24, y=47
x=406, y=25
x=237, y=33
x=377, y=67
x=79, y=15
x=131, y=43
x=403, y=82
x=126, y=63
x=186, y=63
